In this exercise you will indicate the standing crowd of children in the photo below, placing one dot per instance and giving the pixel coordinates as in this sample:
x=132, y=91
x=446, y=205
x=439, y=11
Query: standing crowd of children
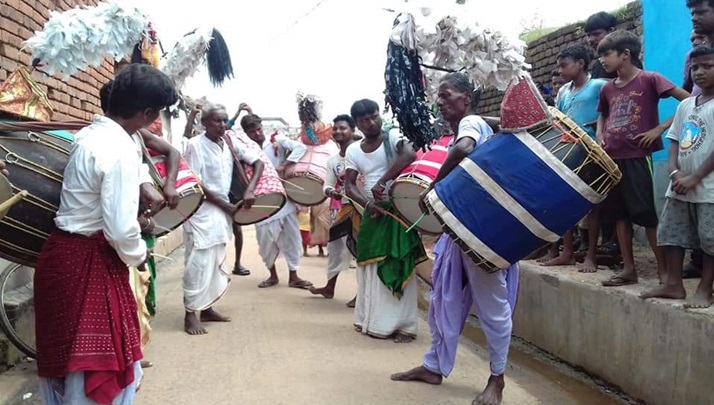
x=616, y=102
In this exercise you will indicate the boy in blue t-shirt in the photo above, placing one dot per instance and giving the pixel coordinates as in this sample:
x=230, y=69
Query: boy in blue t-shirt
x=578, y=99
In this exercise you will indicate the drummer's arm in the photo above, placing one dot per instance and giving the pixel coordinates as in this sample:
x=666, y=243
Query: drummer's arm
x=458, y=152
x=405, y=156
x=351, y=189
x=161, y=146
x=258, y=166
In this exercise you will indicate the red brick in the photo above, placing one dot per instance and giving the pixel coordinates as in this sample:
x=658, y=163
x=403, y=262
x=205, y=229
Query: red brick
x=9, y=51
x=10, y=26
x=76, y=102
x=63, y=108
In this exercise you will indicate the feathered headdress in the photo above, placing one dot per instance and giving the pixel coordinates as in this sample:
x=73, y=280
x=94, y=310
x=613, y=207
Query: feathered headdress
x=195, y=48
x=82, y=37
x=314, y=131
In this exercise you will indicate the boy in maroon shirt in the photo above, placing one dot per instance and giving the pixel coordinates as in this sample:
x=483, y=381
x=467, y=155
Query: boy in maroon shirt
x=629, y=130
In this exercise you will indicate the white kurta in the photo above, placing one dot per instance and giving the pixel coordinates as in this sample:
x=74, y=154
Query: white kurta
x=377, y=311
x=209, y=230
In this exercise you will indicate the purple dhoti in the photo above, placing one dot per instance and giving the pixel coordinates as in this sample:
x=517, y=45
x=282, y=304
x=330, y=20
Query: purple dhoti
x=457, y=284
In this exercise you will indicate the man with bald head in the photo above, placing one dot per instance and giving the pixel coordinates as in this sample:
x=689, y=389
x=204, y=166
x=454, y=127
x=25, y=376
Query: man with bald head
x=208, y=231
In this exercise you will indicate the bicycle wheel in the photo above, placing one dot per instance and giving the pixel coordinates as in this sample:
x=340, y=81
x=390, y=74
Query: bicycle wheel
x=17, y=313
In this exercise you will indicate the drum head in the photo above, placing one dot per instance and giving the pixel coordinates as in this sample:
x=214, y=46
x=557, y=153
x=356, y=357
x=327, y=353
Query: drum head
x=265, y=206
x=167, y=219
x=405, y=197
x=305, y=190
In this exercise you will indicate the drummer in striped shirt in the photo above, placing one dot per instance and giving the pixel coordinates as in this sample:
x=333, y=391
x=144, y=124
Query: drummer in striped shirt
x=458, y=281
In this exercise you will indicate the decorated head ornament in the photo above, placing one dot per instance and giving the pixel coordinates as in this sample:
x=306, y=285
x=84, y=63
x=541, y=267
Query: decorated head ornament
x=314, y=131
x=523, y=107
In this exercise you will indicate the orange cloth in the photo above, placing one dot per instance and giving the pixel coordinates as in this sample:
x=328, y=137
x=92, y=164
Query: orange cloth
x=322, y=131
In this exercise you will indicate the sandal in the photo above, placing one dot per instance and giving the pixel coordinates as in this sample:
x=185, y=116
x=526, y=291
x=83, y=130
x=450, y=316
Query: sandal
x=268, y=283
x=241, y=271
x=609, y=249
x=302, y=284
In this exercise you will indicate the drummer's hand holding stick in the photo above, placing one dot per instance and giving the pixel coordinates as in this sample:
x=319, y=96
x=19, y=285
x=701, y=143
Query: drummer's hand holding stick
x=3, y=168
x=249, y=196
x=142, y=267
x=599, y=131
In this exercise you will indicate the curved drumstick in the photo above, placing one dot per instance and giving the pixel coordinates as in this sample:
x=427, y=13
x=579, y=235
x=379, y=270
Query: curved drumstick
x=5, y=206
x=292, y=184
x=396, y=218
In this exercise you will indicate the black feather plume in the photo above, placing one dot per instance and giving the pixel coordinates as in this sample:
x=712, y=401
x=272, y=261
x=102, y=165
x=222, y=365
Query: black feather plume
x=218, y=57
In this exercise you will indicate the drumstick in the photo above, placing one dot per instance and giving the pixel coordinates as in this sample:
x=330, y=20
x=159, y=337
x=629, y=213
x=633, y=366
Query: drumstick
x=416, y=222
x=265, y=206
x=4, y=207
x=292, y=184
x=396, y=218
x=162, y=257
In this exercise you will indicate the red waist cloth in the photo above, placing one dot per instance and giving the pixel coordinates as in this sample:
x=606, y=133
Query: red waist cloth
x=85, y=314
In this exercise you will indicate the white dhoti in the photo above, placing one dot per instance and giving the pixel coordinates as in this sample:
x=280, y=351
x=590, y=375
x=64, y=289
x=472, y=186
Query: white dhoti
x=277, y=236
x=378, y=312
x=338, y=257
x=70, y=390
x=205, y=278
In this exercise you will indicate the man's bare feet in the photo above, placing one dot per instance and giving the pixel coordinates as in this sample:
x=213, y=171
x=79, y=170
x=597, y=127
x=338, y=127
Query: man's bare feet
x=703, y=298
x=420, y=374
x=324, y=291
x=672, y=292
x=352, y=303
x=192, y=325
x=548, y=256
x=493, y=393
x=589, y=265
x=564, y=259
x=400, y=337
x=210, y=315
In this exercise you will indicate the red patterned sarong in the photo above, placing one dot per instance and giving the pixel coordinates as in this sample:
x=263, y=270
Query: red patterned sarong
x=85, y=314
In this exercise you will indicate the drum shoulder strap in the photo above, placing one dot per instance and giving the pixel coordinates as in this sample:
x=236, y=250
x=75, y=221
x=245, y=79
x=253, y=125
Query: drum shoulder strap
x=237, y=163
x=387, y=146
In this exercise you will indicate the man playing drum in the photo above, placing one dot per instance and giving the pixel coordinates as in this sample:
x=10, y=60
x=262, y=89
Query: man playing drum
x=87, y=330
x=280, y=233
x=457, y=281
x=386, y=254
x=209, y=230
x=338, y=256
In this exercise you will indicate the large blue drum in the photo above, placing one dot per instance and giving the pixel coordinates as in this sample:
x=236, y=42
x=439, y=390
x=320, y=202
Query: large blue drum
x=520, y=191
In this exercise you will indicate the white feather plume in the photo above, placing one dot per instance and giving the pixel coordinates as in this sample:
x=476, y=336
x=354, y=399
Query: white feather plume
x=76, y=39
x=456, y=42
x=187, y=56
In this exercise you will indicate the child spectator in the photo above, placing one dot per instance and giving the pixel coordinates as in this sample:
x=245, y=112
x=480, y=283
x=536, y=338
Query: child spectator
x=688, y=214
x=629, y=130
x=578, y=99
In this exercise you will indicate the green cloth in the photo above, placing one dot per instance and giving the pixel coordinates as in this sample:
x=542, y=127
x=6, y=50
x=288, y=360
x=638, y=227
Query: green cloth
x=384, y=241
x=151, y=265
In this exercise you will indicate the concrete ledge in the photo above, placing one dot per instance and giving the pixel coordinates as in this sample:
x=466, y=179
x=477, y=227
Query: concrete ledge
x=166, y=244
x=654, y=351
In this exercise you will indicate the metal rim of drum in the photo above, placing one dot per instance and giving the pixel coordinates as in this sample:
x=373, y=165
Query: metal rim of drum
x=304, y=175
x=416, y=181
x=283, y=200
x=183, y=194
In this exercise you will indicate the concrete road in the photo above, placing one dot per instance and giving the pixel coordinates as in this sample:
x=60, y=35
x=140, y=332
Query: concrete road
x=285, y=346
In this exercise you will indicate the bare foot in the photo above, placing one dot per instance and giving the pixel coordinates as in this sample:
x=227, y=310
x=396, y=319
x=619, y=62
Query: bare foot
x=493, y=393
x=564, y=259
x=672, y=292
x=210, y=315
x=192, y=325
x=589, y=265
x=400, y=337
x=322, y=291
x=703, y=298
x=418, y=374
x=548, y=257
x=352, y=303
x=358, y=328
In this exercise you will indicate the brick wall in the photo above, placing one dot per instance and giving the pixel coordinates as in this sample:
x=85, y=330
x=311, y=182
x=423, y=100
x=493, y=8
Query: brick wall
x=541, y=53
x=74, y=98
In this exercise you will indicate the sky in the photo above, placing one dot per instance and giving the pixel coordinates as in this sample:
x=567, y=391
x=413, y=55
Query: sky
x=335, y=49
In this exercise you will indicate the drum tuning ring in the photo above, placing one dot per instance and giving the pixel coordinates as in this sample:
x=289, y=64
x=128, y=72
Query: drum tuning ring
x=11, y=158
x=34, y=137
